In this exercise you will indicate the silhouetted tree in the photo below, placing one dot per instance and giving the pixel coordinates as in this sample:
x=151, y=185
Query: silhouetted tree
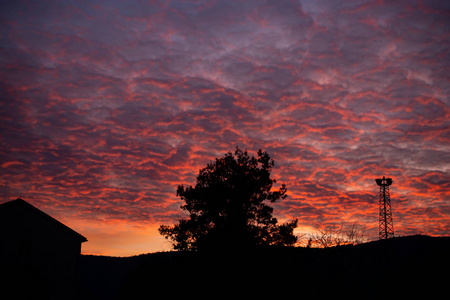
x=328, y=236
x=226, y=206
x=355, y=234
x=332, y=235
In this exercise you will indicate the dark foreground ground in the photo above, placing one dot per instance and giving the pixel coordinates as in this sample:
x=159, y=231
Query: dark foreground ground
x=399, y=268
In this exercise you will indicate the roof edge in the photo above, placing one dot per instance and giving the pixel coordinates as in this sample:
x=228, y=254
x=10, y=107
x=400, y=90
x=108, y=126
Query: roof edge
x=20, y=201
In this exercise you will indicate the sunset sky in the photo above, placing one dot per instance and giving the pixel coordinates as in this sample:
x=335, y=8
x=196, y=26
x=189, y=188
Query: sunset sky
x=107, y=106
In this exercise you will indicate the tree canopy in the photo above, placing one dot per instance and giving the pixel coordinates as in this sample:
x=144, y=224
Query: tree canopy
x=226, y=206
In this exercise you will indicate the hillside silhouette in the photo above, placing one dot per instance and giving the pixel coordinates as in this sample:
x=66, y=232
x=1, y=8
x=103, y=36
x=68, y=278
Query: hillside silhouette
x=397, y=267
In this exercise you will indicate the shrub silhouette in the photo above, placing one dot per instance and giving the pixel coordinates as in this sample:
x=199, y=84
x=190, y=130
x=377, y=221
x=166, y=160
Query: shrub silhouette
x=226, y=206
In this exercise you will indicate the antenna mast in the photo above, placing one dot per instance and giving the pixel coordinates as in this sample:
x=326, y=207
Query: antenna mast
x=386, y=225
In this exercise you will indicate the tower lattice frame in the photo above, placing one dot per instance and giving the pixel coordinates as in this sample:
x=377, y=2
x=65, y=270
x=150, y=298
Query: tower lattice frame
x=386, y=225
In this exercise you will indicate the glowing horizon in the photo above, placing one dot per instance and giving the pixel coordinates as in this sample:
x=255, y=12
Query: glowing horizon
x=107, y=106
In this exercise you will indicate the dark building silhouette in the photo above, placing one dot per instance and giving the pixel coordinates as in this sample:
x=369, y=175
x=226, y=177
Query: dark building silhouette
x=39, y=256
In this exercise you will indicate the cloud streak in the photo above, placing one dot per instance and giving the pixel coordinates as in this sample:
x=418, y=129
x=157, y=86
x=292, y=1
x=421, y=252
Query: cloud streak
x=107, y=106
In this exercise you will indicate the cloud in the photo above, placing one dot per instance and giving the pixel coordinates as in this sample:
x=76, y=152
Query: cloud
x=107, y=106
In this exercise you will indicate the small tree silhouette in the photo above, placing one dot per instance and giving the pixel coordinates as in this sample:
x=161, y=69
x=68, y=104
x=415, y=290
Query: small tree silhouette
x=226, y=207
x=332, y=235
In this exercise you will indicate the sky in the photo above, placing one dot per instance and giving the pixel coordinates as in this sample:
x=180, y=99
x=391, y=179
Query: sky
x=107, y=106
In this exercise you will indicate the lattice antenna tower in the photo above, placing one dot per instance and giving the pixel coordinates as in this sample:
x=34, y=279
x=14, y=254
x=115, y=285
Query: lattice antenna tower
x=386, y=225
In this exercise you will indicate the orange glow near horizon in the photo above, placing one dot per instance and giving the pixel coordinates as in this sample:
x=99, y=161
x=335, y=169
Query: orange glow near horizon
x=122, y=240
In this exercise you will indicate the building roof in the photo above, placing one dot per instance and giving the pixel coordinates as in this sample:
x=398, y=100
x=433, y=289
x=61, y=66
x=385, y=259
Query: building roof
x=23, y=204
